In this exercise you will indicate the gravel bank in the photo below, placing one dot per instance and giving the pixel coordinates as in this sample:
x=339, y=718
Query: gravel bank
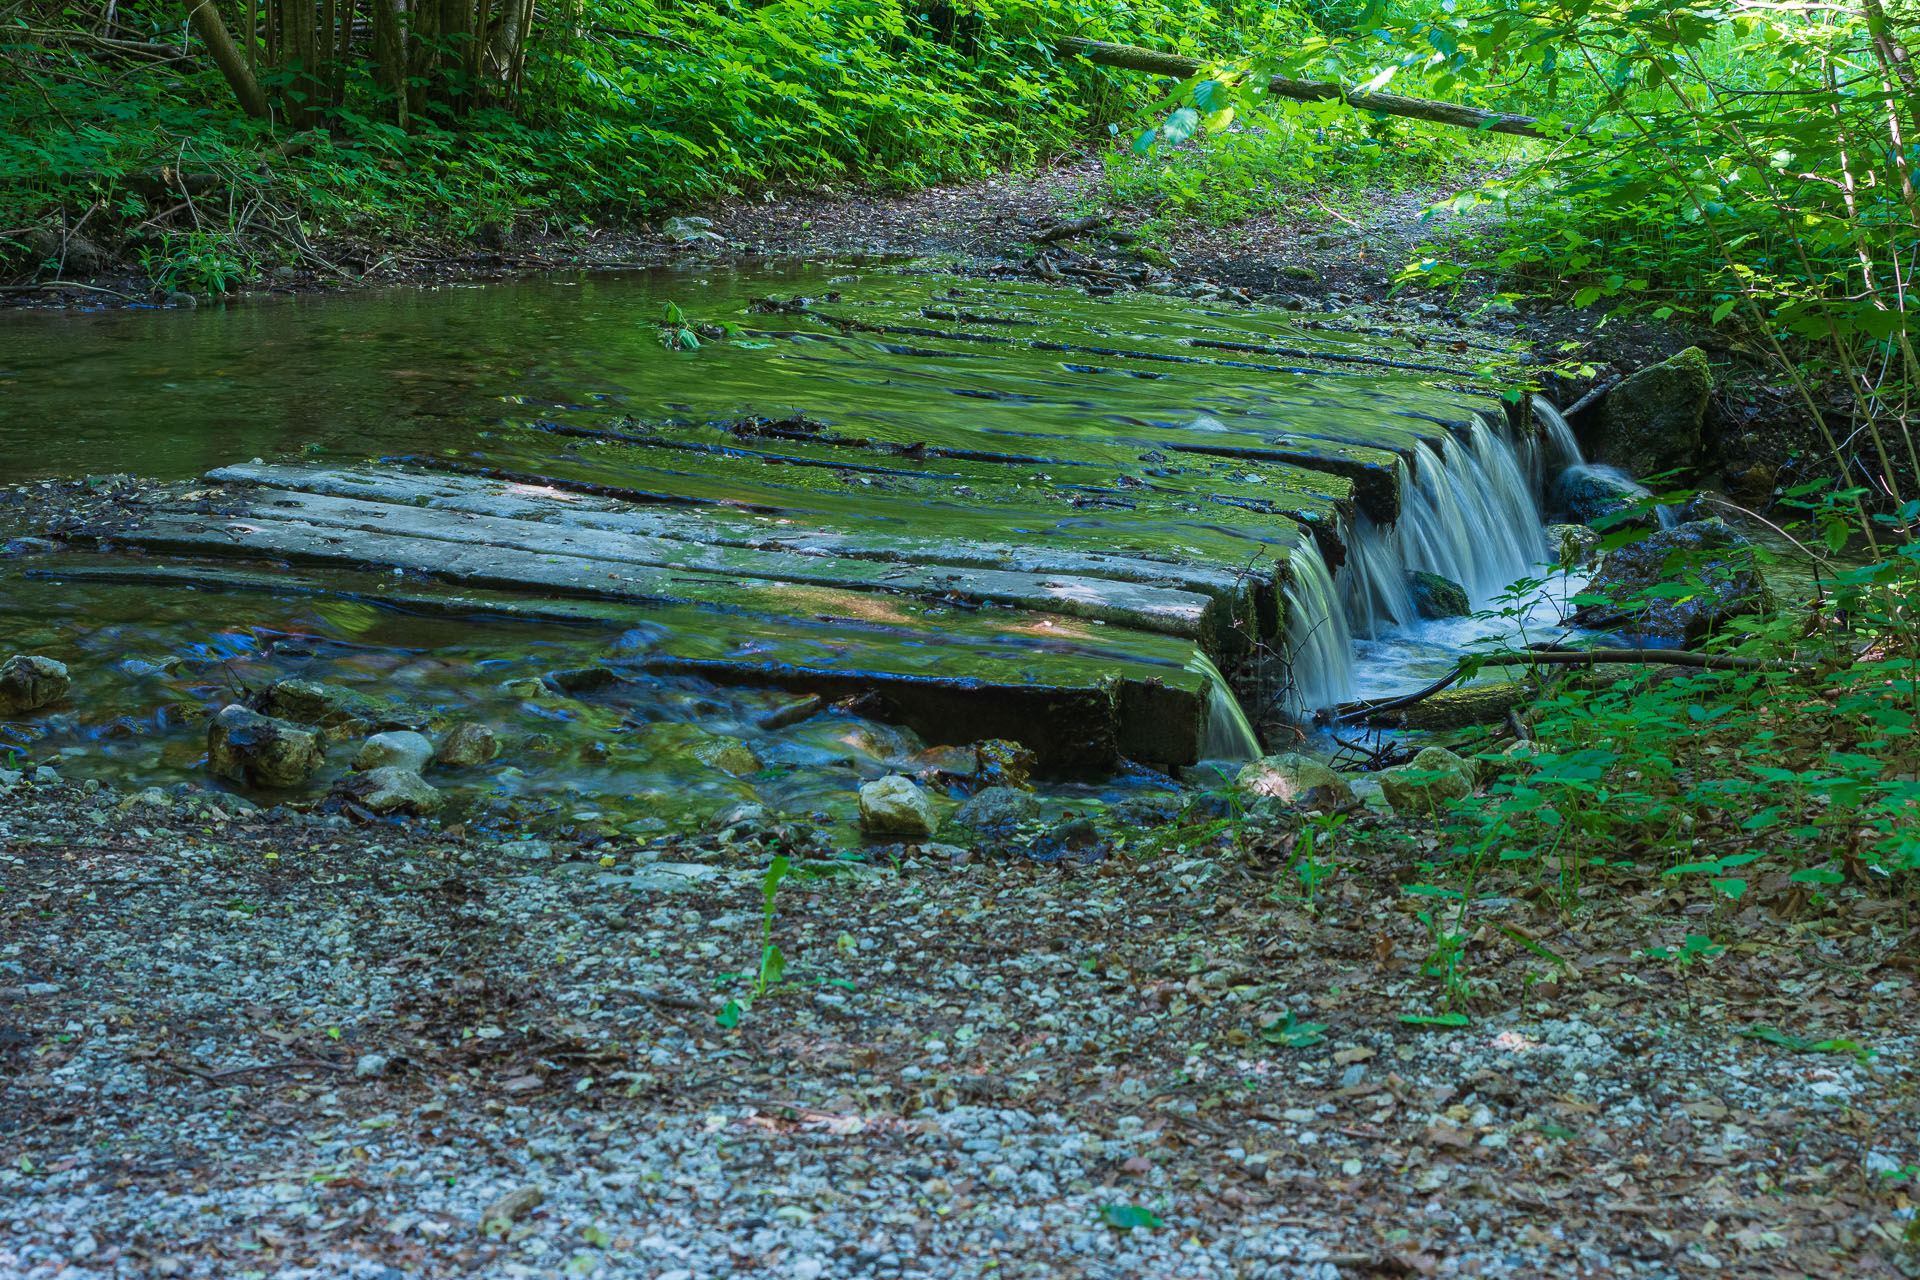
x=267, y=1045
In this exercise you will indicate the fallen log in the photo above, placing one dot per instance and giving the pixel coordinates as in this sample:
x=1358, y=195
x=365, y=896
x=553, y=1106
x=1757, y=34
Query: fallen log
x=1371, y=710
x=1129, y=57
x=1069, y=229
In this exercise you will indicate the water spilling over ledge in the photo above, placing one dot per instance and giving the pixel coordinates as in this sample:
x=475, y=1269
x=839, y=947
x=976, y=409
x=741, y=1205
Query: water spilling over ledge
x=1024, y=530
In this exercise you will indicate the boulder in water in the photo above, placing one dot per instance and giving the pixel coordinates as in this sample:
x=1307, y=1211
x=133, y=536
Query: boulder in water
x=332, y=707
x=1434, y=777
x=389, y=790
x=1295, y=780
x=248, y=747
x=1705, y=554
x=467, y=745
x=996, y=809
x=29, y=682
x=1656, y=419
x=1589, y=493
x=1435, y=596
x=402, y=749
x=894, y=806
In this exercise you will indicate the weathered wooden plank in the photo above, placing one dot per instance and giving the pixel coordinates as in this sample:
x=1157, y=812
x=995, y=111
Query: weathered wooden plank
x=1233, y=587
x=515, y=553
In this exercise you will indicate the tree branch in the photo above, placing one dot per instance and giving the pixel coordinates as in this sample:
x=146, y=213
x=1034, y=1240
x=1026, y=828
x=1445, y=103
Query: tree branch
x=1129, y=57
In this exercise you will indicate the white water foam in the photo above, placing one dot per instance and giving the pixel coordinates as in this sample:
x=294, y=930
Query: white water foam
x=1470, y=512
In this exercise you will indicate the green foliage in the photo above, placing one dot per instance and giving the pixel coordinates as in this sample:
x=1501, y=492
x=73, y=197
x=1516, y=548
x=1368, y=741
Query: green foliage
x=625, y=108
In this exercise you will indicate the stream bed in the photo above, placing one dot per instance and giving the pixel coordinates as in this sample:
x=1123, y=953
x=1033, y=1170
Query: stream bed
x=888, y=404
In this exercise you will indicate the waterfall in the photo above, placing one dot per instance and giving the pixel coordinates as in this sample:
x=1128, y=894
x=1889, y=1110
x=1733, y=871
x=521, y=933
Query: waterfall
x=1229, y=735
x=1567, y=465
x=1319, y=644
x=1565, y=450
x=1467, y=512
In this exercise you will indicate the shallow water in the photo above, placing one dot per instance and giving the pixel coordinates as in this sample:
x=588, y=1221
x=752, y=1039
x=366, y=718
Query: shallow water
x=568, y=378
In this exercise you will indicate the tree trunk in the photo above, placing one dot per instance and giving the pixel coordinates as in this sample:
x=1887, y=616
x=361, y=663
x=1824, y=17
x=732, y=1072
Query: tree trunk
x=456, y=32
x=421, y=61
x=1129, y=57
x=390, y=54
x=504, y=45
x=226, y=55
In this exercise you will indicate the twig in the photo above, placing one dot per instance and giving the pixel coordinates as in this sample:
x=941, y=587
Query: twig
x=277, y=1066
x=64, y=284
x=1591, y=396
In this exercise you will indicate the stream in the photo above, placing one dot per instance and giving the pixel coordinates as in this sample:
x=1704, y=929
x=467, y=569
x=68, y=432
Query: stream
x=568, y=378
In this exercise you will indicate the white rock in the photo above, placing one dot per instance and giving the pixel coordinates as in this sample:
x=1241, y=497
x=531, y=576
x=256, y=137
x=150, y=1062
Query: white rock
x=400, y=749
x=895, y=806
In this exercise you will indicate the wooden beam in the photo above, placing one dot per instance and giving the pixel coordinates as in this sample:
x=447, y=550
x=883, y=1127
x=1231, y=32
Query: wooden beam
x=1129, y=57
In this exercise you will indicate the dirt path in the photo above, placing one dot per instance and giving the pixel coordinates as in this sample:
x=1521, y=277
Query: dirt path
x=263, y=1044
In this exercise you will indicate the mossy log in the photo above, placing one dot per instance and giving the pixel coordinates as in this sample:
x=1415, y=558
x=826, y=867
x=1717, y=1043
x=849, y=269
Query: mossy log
x=1456, y=708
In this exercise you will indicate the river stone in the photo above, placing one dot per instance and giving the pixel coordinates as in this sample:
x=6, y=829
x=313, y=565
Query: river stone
x=997, y=807
x=894, y=806
x=29, y=682
x=583, y=679
x=1573, y=545
x=1587, y=494
x=1656, y=419
x=334, y=707
x=1706, y=552
x=1435, y=596
x=248, y=747
x=1296, y=780
x=402, y=749
x=467, y=745
x=1436, y=776
x=389, y=790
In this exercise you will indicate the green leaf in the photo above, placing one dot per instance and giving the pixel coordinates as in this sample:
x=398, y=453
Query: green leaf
x=1181, y=125
x=1292, y=1033
x=1802, y=1044
x=1213, y=95
x=1817, y=875
x=1128, y=1217
x=1724, y=310
x=773, y=966
x=729, y=1015
x=1436, y=1019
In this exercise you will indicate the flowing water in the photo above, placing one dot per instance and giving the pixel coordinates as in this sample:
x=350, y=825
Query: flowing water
x=563, y=377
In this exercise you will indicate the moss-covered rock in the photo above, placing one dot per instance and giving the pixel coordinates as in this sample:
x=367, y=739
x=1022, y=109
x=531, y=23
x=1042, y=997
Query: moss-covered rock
x=1435, y=596
x=1294, y=780
x=1656, y=419
x=248, y=747
x=1434, y=777
x=1717, y=563
x=29, y=682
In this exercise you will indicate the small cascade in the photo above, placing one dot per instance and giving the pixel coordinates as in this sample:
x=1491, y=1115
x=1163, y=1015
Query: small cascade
x=1319, y=642
x=1561, y=449
x=1229, y=735
x=1468, y=512
x=1560, y=464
